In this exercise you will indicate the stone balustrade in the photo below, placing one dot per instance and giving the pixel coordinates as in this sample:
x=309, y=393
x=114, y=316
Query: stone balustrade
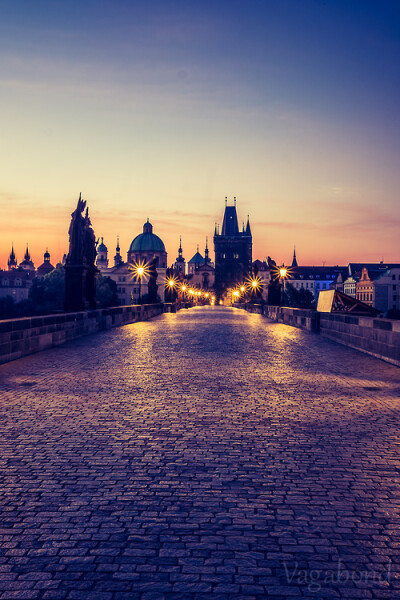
x=375, y=336
x=19, y=337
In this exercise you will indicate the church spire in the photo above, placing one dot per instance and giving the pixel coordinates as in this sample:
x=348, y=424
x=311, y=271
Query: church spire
x=117, y=257
x=206, y=257
x=294, y=261
x=180, y=246
x=12, y=261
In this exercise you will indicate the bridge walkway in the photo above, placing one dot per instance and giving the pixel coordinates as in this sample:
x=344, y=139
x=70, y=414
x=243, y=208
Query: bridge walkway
x=208, y=454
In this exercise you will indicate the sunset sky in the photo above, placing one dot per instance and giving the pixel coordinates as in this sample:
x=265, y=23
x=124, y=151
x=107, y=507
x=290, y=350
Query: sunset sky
x=160, y=109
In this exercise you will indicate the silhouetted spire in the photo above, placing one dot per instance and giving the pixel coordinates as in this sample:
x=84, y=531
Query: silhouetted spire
x=12, y=261
x=248, y=230
x=180, y=246
x=27, y=255
x=117, y=257
x=206, y=258
x=294, y=261
x=230, y=227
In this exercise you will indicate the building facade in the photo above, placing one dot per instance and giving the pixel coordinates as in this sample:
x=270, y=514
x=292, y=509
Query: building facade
x=314, y=279
x=145, y=248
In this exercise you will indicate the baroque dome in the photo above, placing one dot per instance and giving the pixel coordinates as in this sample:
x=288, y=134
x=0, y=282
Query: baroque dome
x=147, y=241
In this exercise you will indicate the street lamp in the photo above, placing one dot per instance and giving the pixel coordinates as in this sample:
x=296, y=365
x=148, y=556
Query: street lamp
x=283, y=273
x=139, y=270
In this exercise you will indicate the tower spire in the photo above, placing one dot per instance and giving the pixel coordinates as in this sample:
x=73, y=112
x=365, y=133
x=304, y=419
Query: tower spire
x=248, y=230
x=12, y=261
x=206, y=258
x=294, y=261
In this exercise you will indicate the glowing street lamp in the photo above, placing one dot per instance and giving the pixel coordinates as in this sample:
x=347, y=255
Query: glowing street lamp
x=183, y=290
x=283, y=273
x=139, y=270
x=254, y=284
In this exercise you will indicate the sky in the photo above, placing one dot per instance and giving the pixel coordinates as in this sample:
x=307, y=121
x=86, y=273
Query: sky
x=159, y=109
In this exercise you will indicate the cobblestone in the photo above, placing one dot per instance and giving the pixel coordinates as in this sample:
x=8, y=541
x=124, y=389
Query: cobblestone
x=207, y=455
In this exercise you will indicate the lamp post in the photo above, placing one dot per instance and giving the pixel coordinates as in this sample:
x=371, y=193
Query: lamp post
x=170, y=285
x=283, y=272
x=139, y=270
x=254, y=284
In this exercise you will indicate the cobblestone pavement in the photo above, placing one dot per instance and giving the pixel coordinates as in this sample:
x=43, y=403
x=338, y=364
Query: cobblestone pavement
x=205, y=455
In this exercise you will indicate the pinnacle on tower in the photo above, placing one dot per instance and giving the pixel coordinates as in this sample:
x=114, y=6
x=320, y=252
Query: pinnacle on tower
x=248, y=230
x=294, y=261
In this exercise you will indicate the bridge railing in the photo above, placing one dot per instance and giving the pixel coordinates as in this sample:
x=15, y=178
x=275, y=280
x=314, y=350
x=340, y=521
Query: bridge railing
x=19, y=337
x=375, y=336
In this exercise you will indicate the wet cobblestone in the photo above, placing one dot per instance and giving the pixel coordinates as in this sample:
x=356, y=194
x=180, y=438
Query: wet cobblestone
x=210, y=455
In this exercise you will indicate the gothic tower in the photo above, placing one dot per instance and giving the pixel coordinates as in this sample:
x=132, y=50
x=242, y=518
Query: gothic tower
x=233, y=251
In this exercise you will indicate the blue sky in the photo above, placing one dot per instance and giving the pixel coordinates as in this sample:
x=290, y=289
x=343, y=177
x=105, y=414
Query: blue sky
x=161, y=109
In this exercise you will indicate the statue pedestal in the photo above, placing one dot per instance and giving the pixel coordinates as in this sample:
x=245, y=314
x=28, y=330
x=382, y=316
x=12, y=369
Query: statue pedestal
x=75, y=288
x=90, y=287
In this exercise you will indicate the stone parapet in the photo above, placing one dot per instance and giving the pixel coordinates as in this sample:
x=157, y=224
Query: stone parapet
x=374, y=336
x=19, y=337
x=377, y=337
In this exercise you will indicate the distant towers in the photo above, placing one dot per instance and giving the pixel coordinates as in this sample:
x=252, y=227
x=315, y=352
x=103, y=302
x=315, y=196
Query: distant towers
x=294, y=261
x=233, y=251
x=102, y=255
x=46, y=266
x=180, y=263
x=27, y=264
x=12, y=260
x=117, y=258
x=207, y=259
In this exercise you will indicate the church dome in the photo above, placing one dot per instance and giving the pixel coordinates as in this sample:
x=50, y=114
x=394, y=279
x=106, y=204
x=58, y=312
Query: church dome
x=102, y=247
x=147, y=241
x=197, y=259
